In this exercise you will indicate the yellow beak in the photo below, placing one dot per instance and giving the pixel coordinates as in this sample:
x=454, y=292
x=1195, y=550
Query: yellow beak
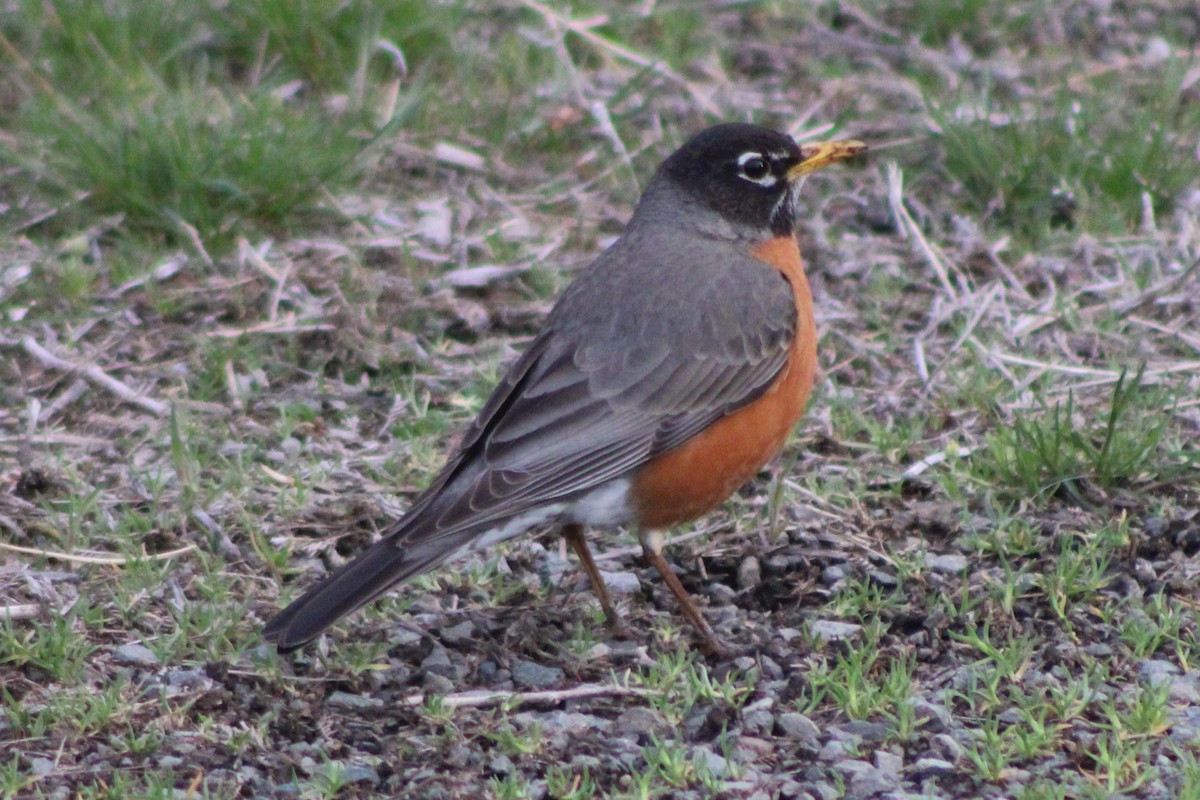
x=819, y=155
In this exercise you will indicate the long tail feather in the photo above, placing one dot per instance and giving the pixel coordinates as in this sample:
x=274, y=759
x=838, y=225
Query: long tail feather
x=369, y=575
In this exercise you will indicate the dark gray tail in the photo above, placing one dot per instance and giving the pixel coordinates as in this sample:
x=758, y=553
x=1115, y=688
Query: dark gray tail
x=369, y=575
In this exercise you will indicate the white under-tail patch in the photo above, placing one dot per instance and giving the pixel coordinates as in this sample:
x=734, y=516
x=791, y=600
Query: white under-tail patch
x=606, y=506
x=513, y=528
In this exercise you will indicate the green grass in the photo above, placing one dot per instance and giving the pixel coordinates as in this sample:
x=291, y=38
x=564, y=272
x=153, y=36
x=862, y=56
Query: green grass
x=1059, y=449
x=14, y=777
x=1189, y=788
x=188, y=130
x=1070, y=162
x=680, y=680
x=569, y=785
x=58, y=651
x=860, y=681
x=219, y=165
x=174, y=173
x=1160, y=624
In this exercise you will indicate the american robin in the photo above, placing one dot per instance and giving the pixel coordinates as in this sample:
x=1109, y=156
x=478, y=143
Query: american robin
x=668, y=373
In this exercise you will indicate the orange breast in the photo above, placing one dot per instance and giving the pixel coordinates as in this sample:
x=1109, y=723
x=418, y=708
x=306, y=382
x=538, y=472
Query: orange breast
x=691, y=479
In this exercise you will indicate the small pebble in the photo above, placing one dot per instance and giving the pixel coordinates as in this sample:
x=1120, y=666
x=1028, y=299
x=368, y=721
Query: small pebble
x=135, y=655
x=716, y=764
x=403, y=636
x=501, y=765
x=949, y=747
x=865, y=780
x=758, y=722
x=597, y=651
x=581, y=762
x=621, y=583
x=833, y=574
x=948, y=564
x=1154, y=527
x=795, y=791
x=823, y=790
x=834, y=750
x=188, y=679
x=361, y=773
x=932, y=766
x=775, y=565
x=888, y=762
x=1151, y=668
x=705, y=722
x=828, y=630
x=754, y=747
x=433, y=683
x=883, y=579
x=562, y=722
x=862, y=730
x=438, y=661
x=933, y=717
x=458, y=756
x=787, y=634
x=770, y=668
x=353, y=702
x=640, y=722
x=461, y=633
x=745, y=663
x=720, y=593
x=749, y=574
x=1158, y=49
x=799, y=727
x=1185, y=724
x=531, y=675
x=552, y=568
x=1185, y=689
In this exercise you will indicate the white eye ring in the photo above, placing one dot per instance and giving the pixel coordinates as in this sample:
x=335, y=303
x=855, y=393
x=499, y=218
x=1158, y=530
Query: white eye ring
x=754, y=167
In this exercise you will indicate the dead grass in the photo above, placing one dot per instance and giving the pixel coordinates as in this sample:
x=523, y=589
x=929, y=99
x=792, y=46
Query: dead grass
x=189, y=433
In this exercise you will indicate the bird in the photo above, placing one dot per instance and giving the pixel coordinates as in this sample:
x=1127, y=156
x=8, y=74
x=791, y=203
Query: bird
x=667, y=374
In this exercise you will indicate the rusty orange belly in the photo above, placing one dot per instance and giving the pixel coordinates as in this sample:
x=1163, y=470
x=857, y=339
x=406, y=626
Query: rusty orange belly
x=693, y=478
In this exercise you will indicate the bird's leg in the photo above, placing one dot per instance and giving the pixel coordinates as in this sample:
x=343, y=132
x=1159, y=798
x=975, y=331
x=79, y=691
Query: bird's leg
x=652, y=544
x=573, y=533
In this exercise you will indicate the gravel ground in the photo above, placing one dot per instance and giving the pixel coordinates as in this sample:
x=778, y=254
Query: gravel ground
x=973, y=574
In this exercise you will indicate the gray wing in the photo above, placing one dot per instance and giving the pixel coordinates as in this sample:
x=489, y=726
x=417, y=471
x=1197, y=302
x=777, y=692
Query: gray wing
x=619, y=374
x=583, y=406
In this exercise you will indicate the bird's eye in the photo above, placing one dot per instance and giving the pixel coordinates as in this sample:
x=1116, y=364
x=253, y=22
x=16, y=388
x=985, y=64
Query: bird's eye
x=754, y=167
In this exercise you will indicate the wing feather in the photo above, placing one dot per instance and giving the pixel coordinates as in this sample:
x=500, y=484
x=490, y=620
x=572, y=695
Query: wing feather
x=583, y=407
x=605, y=387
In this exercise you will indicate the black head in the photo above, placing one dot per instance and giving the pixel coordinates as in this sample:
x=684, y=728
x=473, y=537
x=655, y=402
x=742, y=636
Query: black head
x=748, y=174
